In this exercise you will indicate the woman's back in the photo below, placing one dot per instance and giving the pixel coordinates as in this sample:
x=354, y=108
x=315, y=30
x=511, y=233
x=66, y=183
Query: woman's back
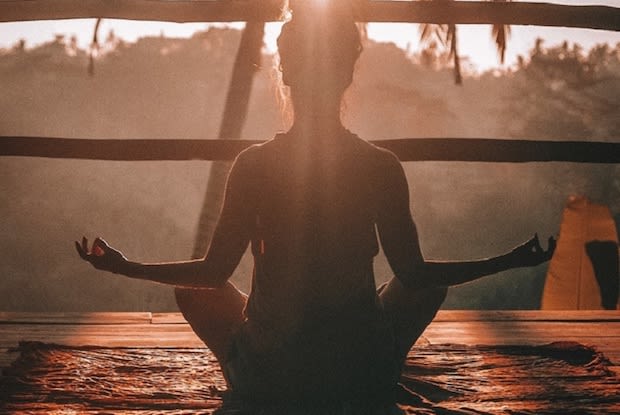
x=313, y=298
x=314, y=239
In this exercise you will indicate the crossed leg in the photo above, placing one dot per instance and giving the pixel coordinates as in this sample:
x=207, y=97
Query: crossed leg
x=214, y=315
x=410, y=311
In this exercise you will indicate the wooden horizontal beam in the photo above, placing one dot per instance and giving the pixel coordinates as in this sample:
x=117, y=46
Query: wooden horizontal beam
x=407, y=149
x=484, y=12
x=443, y=316
x=184, y=11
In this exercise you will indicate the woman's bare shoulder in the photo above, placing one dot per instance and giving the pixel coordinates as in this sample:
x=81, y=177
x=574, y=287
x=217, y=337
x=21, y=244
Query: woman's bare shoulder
x=382, y=157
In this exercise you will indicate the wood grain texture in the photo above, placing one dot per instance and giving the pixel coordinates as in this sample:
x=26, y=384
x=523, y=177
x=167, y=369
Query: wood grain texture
x=184, y=11
x=597, y=328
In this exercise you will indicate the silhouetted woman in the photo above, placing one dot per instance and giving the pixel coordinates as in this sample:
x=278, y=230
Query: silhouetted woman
x=311, y=203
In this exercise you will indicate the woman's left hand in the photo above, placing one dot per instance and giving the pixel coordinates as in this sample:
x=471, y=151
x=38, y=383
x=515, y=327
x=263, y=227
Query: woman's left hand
x=531, y=253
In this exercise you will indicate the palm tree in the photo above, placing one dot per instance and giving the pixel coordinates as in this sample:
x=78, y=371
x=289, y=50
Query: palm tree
x=500, y=33
x=446, y=34
x=94, y=48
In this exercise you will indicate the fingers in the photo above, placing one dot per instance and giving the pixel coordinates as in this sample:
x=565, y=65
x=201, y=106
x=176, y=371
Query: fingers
x=82, y=248
x=100, y=255
x=532, y=253
x=99, y=248
x=536, y=244
x=81, y=251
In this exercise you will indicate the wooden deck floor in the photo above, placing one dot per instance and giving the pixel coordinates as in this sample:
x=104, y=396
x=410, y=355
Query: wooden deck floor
x=600, y=329
x=524, y=387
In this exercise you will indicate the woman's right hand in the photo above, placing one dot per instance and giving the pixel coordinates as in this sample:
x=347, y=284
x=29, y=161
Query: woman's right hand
x=101, y=255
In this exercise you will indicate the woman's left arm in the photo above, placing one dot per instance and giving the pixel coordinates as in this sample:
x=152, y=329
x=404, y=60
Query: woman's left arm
x=400, y=242
x=449, y=273
x=230, y=240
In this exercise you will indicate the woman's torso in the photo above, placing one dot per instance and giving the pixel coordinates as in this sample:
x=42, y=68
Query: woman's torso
x=313, y=302
x=314, y=237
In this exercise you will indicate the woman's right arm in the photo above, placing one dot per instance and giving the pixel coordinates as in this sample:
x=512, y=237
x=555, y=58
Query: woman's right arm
x=211, y=271
x=230, y=240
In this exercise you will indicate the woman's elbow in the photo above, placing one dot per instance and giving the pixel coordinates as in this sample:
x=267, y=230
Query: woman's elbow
x=423, y=276
x=217, y=283
x=209, y=275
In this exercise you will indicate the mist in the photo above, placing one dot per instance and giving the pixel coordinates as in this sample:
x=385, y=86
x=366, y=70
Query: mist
x=175, y=88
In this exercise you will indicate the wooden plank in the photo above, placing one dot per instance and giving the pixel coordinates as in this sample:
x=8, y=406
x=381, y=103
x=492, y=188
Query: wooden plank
x=407, y=149
x=496, y=332
x=527, y=315
x=501, y=151
x=560, y=328
x=177, y=317
x=183, y=11
x=480, y=12
x=168, y=318
x=96, y=336
x=180, y=11
x=474, y=315
x=123, y=150
x=598, y=328
x=12, y=317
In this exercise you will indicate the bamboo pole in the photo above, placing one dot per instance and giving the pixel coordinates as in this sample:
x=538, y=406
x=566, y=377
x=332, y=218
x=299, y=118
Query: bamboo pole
x=184, y=11
x=407, y=149
x=246, y=65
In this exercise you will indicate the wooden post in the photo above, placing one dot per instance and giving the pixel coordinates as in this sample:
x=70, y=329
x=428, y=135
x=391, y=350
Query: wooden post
x=246, y=64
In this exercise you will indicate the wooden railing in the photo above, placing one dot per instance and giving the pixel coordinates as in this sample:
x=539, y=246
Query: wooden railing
x=183, y=11
x=407, y=149
x=450, y=149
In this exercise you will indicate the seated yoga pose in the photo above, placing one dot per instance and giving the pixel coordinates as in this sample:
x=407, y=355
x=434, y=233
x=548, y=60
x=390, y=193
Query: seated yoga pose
x=314, y=203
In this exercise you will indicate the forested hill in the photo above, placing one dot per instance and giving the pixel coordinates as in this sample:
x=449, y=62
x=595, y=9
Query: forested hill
x=175, y=88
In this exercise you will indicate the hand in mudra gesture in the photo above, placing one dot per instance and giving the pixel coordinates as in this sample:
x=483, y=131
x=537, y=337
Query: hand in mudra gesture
x=101, y=255
x=530, y=253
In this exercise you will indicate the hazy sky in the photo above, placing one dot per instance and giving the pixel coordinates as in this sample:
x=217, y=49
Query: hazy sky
x=475, y=41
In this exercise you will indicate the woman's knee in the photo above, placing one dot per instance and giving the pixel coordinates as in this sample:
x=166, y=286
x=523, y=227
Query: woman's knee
x=190, y=301
x=221, y=301
x=437, y=295
x=395, y=294
x=212, y=309
x=213, y=314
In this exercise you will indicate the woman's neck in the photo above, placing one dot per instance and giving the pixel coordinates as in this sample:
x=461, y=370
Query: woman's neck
x=317, y=111
x=318, y=125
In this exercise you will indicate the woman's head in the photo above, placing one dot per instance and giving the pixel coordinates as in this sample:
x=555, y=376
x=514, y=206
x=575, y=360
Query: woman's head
x=318, y=48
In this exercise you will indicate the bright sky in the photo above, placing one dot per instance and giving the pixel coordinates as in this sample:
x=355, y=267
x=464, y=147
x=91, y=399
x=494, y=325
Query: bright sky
x=475, y=41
